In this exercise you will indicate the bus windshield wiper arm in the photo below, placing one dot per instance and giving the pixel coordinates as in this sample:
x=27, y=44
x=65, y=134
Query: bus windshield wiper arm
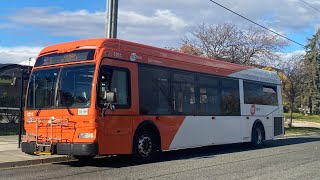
x=38, y=112
x=69, y=111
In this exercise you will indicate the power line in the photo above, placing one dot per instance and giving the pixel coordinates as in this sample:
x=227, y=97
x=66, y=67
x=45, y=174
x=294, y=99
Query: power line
x=310, y=5
x=257, y=24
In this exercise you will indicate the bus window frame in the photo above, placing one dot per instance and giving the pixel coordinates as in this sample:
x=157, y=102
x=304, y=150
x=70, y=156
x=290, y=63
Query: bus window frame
x=262, y=84
x=56, y=85
x=196, y=88
x=117, y=106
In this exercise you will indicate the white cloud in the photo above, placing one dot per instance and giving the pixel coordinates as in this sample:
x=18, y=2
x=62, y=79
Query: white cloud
x=78, y=23
x=169, y=18
x=5, y=26
x=159, y=18
x=288, y=56
x=135, y=26
x=285, y=58
x=285, y=14
x=18, y=55
x=163, y=23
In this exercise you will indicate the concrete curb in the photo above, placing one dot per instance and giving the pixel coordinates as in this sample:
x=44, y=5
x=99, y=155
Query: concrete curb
x=35, y=162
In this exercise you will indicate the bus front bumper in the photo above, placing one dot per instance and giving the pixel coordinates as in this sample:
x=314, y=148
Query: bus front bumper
x=77, y=149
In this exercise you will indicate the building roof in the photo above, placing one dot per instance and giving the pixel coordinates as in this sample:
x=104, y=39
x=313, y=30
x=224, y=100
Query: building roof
x=7, y=67
x=4, y=65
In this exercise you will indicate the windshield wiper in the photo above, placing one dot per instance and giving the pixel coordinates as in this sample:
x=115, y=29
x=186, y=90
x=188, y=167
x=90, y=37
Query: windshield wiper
x=57, y=102
x=69, y=111
x=38, y=112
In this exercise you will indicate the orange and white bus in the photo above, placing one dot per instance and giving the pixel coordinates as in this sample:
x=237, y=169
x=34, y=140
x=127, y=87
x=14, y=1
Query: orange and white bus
x=113, y=97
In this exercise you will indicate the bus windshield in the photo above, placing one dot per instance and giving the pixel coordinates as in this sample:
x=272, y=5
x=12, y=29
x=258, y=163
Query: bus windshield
x=61, y=87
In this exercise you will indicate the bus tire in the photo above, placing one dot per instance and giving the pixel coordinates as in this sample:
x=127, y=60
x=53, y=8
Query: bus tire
x=257, y=136
x=145, y=146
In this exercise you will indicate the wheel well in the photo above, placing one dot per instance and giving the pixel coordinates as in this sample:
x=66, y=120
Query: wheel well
x=150, y=126
x=256, y=123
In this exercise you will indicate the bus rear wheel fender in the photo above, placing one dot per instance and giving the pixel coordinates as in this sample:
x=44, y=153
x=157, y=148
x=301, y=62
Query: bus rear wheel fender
x=257, y=134
x=146, y=143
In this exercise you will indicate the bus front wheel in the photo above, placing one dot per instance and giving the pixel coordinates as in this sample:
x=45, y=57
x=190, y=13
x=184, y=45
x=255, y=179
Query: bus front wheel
x=144, y=146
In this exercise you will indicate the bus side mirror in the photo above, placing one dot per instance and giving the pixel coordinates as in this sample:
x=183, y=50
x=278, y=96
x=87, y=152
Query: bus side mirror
x=110, y=97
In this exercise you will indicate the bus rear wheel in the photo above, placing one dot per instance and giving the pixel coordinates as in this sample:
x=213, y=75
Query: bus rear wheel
x=144, y=147
x=258, y=136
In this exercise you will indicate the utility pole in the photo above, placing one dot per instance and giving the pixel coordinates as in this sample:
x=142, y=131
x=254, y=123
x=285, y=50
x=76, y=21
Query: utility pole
x=112, y=19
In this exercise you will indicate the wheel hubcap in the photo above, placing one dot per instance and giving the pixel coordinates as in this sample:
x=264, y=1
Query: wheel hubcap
x=145, y=146
x=259, y=136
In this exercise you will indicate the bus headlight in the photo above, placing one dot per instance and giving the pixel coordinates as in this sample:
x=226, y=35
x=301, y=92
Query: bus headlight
x=85, y=135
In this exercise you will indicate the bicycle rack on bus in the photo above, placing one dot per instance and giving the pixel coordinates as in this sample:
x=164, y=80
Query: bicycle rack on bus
x=45, y=144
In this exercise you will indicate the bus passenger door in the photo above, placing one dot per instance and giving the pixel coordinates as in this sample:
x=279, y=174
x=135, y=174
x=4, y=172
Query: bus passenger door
x=115, y=126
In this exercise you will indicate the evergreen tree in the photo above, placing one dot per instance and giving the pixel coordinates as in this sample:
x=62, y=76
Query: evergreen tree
x=312, y=82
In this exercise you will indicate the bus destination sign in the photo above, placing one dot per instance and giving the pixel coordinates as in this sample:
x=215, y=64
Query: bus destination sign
x=60, y=58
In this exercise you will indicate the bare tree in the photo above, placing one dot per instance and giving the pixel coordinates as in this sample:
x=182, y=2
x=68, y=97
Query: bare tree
x=295, y=73
x=188, y=49
x=231, y=43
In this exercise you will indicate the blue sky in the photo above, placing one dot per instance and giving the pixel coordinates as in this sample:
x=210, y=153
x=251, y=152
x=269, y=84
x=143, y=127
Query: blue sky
x=27, y=26
x=28, y=35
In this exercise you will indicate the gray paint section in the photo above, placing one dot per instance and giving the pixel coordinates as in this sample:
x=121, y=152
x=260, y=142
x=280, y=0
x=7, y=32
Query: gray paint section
x=259, y=75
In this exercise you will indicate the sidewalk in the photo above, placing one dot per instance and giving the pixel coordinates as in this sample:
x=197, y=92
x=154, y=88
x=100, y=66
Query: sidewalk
x=305, y=124
x=11, y=155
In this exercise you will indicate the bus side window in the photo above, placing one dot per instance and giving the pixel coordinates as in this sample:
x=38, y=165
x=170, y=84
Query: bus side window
x=183, y=94
x=270, y=95
x=209, y=94
x=230, y=98
x=252, y=93
x=154, y=85
x=115, y=79
x=257, y=93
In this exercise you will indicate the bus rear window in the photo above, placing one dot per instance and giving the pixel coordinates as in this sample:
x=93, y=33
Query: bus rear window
x=60, y=58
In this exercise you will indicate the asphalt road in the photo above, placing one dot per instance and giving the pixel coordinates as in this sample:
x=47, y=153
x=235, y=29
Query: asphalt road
x=294, y=158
